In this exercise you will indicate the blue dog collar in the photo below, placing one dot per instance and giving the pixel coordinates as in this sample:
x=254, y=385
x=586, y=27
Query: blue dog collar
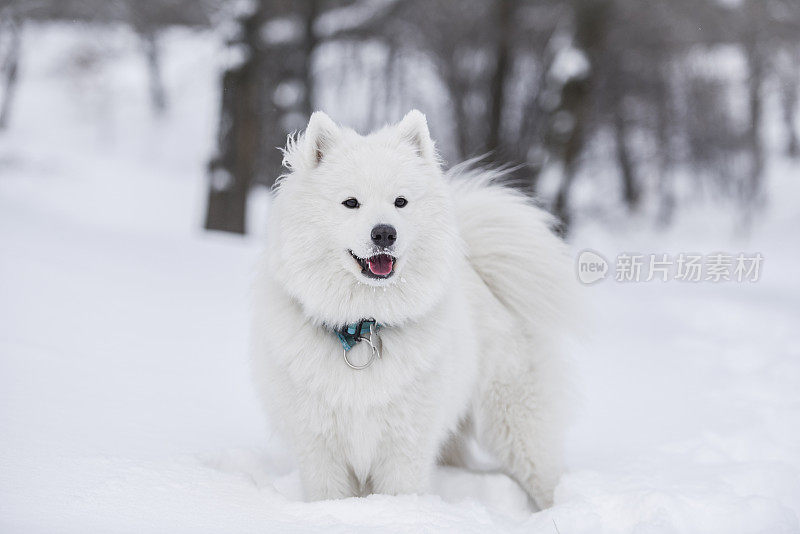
x=351, y=334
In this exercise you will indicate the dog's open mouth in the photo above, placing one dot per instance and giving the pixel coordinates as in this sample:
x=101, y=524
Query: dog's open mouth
x=377, y=266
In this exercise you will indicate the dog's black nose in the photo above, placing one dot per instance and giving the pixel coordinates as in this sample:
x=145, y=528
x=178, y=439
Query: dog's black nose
x=383, y=235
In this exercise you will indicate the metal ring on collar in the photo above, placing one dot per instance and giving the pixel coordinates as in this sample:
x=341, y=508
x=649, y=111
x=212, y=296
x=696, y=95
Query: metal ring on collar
x=373, y=353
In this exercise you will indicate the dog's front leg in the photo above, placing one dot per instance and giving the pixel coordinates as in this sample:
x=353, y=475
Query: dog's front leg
x=324, y=475
x=404, y=466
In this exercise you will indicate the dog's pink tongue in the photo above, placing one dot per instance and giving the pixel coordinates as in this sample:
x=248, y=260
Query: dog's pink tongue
x=380, y=265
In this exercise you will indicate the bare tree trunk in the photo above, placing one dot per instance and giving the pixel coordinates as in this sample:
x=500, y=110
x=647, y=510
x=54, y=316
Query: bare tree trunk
x=755, y=107
x=462, y=128
x=591, y=18
x=310, y=43
x=631, y=193
x=9, y=72
x=666, y=193
x=233, y=170
x=391, y=92
x=456, y=92
x=561, y=204
x=531, y=138
x=575, y=102
x=396, y=96
x=152, y=51
x=755, y=82
x=502, y=26
x=791, y=100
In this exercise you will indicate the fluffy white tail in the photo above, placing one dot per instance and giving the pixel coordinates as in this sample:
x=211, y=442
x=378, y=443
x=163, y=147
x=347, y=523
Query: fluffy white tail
x=511, y=245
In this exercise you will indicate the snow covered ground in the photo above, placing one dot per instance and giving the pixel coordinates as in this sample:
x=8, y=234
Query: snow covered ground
x=125, y=401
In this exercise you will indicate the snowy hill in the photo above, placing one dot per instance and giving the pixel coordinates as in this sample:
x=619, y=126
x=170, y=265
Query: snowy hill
x=125, y=397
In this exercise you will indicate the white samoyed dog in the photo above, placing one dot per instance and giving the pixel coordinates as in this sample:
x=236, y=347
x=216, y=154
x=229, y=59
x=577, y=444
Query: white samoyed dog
x=401, y=310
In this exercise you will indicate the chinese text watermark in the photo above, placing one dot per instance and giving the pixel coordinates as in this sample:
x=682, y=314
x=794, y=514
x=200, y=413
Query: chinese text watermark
x=682, y=267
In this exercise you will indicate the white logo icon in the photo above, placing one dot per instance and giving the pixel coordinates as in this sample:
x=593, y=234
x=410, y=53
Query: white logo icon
x=592, y=267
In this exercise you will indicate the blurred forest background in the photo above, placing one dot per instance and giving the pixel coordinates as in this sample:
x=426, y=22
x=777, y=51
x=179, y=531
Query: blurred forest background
x=667, y=97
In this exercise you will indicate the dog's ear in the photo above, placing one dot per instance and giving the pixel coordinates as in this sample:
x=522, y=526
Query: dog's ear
x=321, y=134
x=414, y=129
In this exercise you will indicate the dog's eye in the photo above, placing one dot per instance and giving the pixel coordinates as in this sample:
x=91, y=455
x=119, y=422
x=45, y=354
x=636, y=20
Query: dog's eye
x=351, y=203
x=400, y=202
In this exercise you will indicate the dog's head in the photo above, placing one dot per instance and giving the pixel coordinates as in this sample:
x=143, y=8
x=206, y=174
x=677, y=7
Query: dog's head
x=362, y=226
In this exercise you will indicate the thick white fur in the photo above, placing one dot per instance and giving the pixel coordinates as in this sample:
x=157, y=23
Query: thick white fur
x=473, y=316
